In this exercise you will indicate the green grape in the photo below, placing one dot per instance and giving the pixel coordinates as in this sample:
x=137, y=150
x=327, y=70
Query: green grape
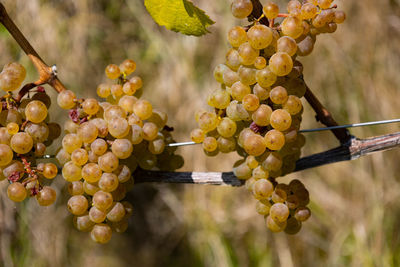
x=208, y=121
x=112, y=112
x=12, y=128
x=112, y=71
x=156, y=146
x=77, y=205
x=70, y=126
x=108, y=162
x=308, y=11
x=249, y=183
x=251, y=162
x=71, y=172
x=306, y=46
x=96, y=215
x=90, y=106
x=287, y=45
x=102, y=200
x=219, y=72
x=271, y=10
x=226, y=145
x=279, y=195
x=83, y=223
x=143, y=109
x=21, y=143
x=103, y=90
x=273, y=162
x=340, y=17
x=99, y=146
x=239, y=90
x=116, y=213
x=75, y=188
x=120, y=227
x=292, y=26
x=241, y=8
x=302, y=214
x=261, y=92
x=278, y=95
x=16, y=192
x=62, y=157
x=262, y=207
x=79, y=157
x=36, y=111
x=133, y=119
x=136, y=82
x=38, y=132
x=11, y=115
x=226, y=127
x=46, y=196
x=124, y=173
x=210, y=144
x=232, y=59
x=279, y=212
x=116, y=90
x=280, y=120
x=230, y=77
x=50, y=170
x=118, y=127
x=293, y=5
x=127, y=66
x=150, y=131
x=90, y=189
x=71, y=142
x=265, y=77
x=247, y=75
x=244, y=134
x=259, y=36
x=251, y=102
x=6, y=155
x=12, y=167
x=262, y=115
x=292, y=202
x=137, y=134
x=274, y=140
x=280, y=64
x=247, y=53
x=290, y=135
x=293, y=105
x=260, y=173
x=126, y=102
x=260, y=63
x=66, y=99
x=293, y=226
x=237, y=112
x=122, y=148
x=275, y=226
x=101, y=233
x=5, y=137
x=220, y=99
x=324, y=4
x=262, y=189
x=254, y=145
x=237, y=36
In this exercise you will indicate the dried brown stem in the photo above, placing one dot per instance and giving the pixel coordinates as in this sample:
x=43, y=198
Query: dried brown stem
x=46, y=74
x=350, y=151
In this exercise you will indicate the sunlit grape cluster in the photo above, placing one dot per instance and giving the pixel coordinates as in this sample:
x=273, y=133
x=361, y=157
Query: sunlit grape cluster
x=25, y=133
x=257, y=111
x=105, y=142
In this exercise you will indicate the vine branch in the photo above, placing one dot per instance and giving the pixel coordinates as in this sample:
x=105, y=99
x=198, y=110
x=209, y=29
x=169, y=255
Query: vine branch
x=46, y=74
x=354, y=149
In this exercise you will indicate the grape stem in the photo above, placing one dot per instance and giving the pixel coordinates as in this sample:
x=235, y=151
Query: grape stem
x=46, y=73
x=354, y=149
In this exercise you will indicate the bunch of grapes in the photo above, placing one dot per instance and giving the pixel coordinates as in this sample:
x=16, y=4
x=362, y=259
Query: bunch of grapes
x=105, y=142
x=25, y=133
x=258, y=108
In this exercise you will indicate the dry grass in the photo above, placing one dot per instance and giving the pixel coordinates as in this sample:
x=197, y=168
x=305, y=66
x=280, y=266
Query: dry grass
x=355, y=204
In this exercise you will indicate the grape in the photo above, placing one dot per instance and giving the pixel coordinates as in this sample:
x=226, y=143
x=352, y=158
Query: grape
x=275, y=226
x=108, y=182
x=11, y=115
x=226, y=127
x=287, y=45
x=90, y=106
x=302, y=214
x=88, y=132
x=278, y=95
x=237, y=36
x=103, y=90
x=210, y=144
x=232, y=59
x=271, y=10
x=262, y=115
x=133, y=119
x=5, y=137
x=96, y=215
x=136, y=82
x=241, y=170
x=116, y=90
x=36, y=111
x=79, y=157
x=252, y=162
x=71, y=142
x=340, y=17
x=280, y=120
x=293, y=226
x=113, y=112
x=143, y=109
x=156, y=146
x=12, y=128
x=46, y=196
x=126, y=102
x=308, y=11
x=90, y=188
x=83, y=223
x=12, y=167
x=230, y=77
x=324, y=4
x=99, y=146
x=123, y=173
x=254, y=145
x=260, y=173
x=293, y=105
x=77, y=205
x=75, y=188
x=306, y=46
x=274, y=140
x=262, y=208
x=262, y=189
x=38, y=132
x=279, y=195
x=259, y=36
x=21, y=143
x=116, y=213
x=260, y=63
x=108, y=162
x=150, y=131
x=241, y=8
x=118, y=127
x=281, y=64
x=91, y=172
x=71, y=172
x=247, y=53
x=273, y=162
x=247, y=75
x=50, y=170
x=260, y=92
x=251, y=102
x=137, y=134
x=219, y=71
x=208, y=121
x=127, y=66
x=112, y=71
x=102, y=200
x=279, y=212
x=16, y=192
x=101, y=233
x=239, y=90
x=292, y=26
x=265, y=77
x=66, y=99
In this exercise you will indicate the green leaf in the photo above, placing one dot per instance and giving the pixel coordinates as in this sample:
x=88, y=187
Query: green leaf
x=179, y=16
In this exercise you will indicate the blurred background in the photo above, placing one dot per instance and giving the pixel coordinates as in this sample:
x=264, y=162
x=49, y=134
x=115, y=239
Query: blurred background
x=355, y=205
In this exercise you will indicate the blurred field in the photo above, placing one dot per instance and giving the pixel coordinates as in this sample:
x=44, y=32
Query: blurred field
x=355, y=205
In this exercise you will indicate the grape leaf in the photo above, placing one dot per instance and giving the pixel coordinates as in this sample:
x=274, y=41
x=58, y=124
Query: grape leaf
x=179, y=16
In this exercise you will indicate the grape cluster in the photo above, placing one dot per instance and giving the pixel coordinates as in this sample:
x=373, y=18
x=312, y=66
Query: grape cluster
x=258, y=108
x=105, y=142
x=25, y=133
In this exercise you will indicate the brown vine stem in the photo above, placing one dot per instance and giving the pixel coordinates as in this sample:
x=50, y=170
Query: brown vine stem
x=46, y=74
x=354, y=149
